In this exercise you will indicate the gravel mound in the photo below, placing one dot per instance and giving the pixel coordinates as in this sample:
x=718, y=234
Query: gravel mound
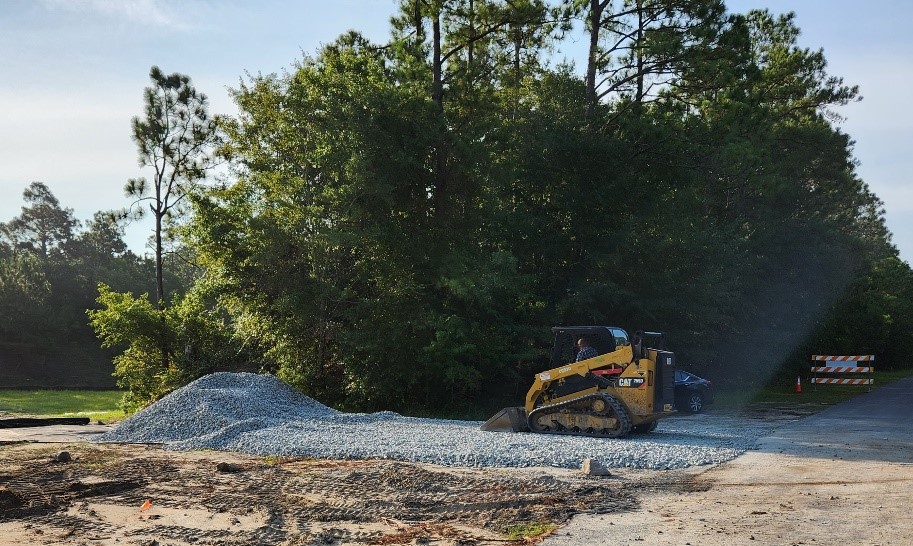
x=261, y=415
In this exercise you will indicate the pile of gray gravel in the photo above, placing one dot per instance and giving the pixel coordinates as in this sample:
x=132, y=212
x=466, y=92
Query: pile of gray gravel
x=261, y=415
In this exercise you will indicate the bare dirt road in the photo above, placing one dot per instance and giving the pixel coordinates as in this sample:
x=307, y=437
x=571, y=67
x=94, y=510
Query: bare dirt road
x=844, y=475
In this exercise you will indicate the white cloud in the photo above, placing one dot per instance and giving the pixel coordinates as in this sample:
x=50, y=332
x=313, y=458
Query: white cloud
x=159, y=13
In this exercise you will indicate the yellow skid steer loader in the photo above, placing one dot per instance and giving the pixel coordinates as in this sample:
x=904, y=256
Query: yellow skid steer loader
x=612, y=386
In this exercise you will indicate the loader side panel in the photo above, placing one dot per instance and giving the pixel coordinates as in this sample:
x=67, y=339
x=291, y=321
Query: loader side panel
x=664, y=395
x=573, y=385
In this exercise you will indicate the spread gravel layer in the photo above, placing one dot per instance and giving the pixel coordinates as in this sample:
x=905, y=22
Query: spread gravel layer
x=261, y=415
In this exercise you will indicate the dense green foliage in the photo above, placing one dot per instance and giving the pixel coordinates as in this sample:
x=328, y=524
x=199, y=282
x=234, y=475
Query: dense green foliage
x=135, y=323
x=405, y=221
x=50, y=267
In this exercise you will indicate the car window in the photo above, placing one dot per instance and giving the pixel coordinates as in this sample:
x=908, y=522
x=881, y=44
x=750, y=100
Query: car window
x=685, y=376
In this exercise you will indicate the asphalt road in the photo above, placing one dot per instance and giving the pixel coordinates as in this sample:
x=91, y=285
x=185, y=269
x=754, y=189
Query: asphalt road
x=875, y=426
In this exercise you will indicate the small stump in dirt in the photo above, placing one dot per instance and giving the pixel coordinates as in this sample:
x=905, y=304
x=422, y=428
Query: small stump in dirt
x=592, y=467
x=63, y=457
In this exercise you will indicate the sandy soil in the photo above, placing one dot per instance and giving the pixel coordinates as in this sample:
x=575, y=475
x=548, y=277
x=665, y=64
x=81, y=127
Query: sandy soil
x=99, y=498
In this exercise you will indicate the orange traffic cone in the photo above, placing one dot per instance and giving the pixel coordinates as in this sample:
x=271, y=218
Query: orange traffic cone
x=798, y=385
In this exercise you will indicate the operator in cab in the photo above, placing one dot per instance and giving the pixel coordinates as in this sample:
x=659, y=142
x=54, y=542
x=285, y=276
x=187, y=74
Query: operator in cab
x=584, y=351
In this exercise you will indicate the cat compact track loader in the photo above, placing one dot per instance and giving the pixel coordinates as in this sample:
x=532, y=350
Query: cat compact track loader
x=627, y=386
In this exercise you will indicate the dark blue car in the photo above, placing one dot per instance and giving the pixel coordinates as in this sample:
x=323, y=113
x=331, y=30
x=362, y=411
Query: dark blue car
x=692, y=393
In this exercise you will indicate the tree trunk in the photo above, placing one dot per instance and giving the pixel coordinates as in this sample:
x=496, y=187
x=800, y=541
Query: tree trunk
x=437, y=95
x=159, y=262
x=518, y=48
x=160, y=291
x=472, y=37
x=437, y=86
x=596, y=9
x=418, y=21
x=640, y=53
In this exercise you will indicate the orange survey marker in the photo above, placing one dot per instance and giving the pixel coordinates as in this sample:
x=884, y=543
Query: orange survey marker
x=798, y=385
x=146, y=505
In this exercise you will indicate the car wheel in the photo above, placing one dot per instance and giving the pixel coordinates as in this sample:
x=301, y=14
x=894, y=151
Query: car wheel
x=695, y=402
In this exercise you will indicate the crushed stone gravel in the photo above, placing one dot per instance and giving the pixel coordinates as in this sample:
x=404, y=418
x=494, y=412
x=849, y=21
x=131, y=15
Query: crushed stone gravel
x=259, y=414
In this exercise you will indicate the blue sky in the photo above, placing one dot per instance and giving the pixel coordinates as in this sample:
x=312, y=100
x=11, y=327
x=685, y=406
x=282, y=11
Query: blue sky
x=72, y=74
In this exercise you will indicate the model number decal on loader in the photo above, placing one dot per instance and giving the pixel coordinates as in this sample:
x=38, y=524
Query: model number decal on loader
x=631, y=382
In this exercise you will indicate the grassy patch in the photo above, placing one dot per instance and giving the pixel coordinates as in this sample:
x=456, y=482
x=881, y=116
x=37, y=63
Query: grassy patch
x=811, y=395
x=530, y=530
x=96, y=405
x=273, y=460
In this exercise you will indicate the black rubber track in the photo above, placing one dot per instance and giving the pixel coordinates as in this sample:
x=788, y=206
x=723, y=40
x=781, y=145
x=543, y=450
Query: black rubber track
x=617, y=410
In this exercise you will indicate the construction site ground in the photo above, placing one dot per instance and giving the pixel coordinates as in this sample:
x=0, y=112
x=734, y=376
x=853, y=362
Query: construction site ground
x=842, y=475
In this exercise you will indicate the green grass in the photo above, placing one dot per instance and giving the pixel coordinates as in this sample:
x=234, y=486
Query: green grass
x=96, y=405
x=812, y=395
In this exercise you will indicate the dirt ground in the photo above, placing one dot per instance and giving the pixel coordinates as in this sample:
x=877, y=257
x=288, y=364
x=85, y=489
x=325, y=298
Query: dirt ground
x=98, y=496
x=842, y=476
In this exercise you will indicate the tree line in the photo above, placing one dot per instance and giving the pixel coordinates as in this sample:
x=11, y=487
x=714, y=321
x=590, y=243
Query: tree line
x=50, y=266
x=403, y=222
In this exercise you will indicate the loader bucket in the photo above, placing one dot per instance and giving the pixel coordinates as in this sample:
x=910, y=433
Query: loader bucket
x=507, y=420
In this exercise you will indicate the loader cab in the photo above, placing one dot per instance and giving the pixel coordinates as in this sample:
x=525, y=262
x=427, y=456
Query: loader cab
x=604, y=339
x=643, y=341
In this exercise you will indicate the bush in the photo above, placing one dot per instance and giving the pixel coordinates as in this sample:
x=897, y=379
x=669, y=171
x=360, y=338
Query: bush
x=162, y=349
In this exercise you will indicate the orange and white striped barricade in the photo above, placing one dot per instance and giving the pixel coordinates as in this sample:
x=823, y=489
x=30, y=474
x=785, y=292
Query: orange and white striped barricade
x=843, y=370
